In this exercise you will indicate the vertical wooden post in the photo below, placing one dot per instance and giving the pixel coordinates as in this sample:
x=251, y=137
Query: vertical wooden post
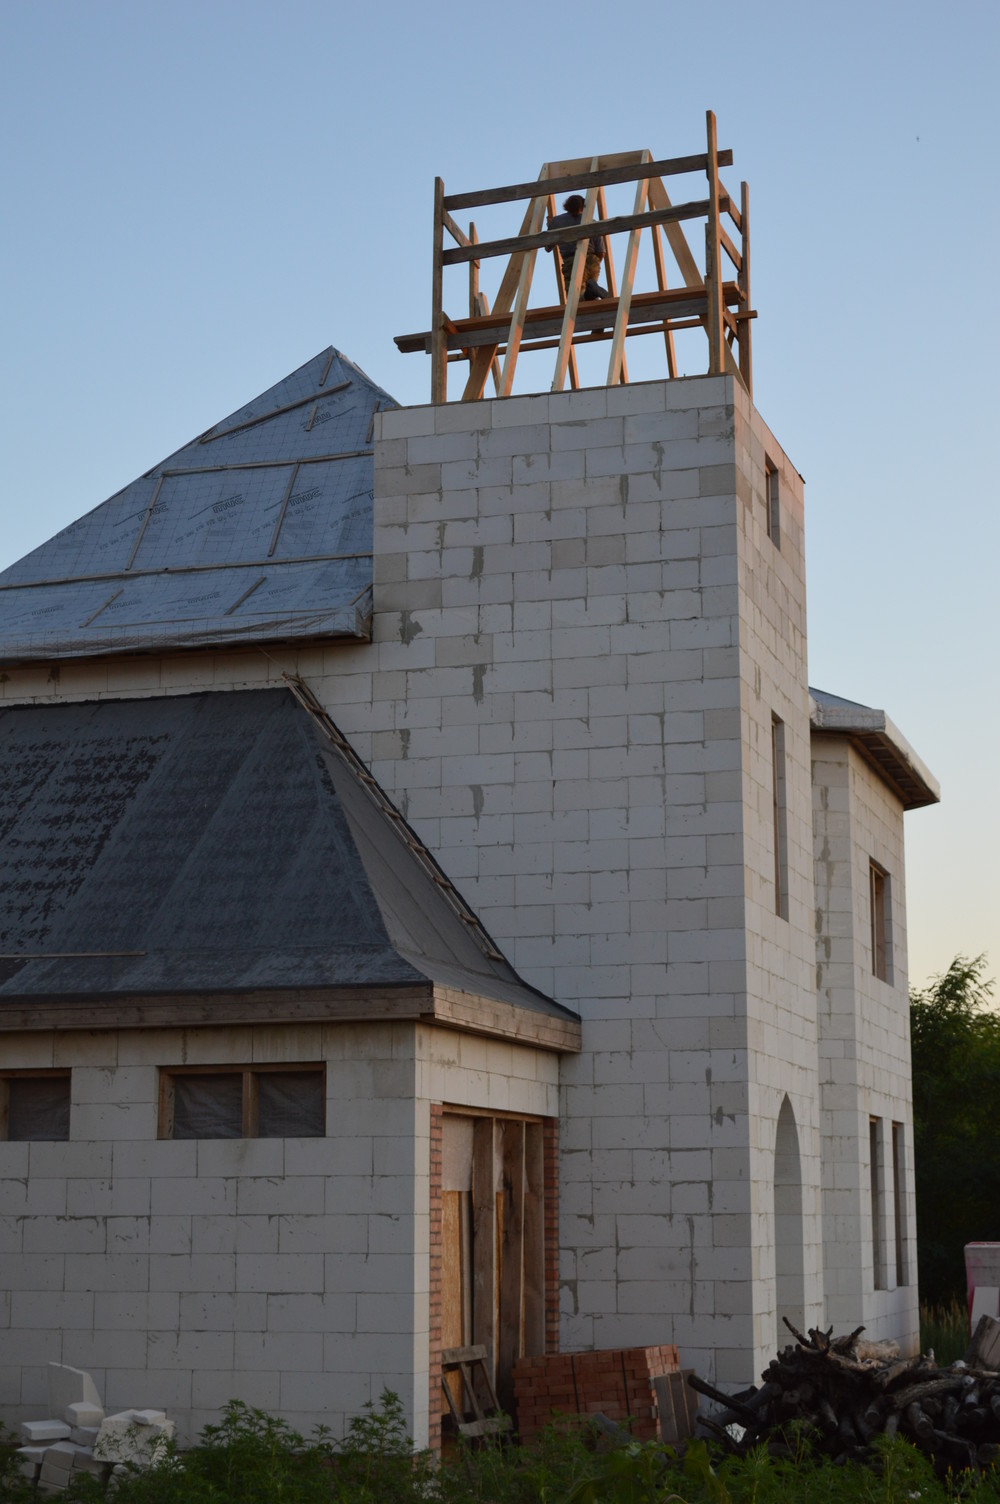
x=746, y=323
x=713, y=268
x=574, y=377
x=511, y=1319
x=439, y=343
x=534, y=1240
x=473, y=276
x=484, y=1241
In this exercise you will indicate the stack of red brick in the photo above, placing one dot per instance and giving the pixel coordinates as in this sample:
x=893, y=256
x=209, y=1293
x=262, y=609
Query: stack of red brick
x=618, y=1383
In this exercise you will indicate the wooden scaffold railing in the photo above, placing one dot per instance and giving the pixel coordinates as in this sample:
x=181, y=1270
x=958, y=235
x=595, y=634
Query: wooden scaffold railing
x=484, y=338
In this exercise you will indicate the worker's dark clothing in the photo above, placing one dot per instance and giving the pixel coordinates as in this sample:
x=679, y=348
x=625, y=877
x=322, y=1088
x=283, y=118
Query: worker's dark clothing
x=595, y=255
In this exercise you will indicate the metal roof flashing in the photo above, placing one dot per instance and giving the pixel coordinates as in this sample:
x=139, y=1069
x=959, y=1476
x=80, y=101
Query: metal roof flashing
x=258, y=530
x=879, y=742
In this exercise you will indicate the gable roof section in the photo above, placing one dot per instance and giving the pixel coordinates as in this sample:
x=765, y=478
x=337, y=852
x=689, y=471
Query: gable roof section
x=879, y=743
x=216, y=846
x=258, y=530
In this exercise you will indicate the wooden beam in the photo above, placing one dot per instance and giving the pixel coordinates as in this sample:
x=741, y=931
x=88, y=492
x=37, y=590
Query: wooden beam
x=592, y=177
x=439, y=363
x=479, y=366
x=616, y=361
x=534, y=1239
x=746, y=357
x=488, y=1016
x=730, y=249
x=484, y=1242
x=713, y=277
x=646, y=306
x=212, y=434
x=188, y=1010
x=542, y=239
x=686, y=264
x=520, y=303
x=661, y=281
x=473, y=277
x=510, y=1334
x=282, y=510
x=573, y=294
x=602, y=210
x=574, y=374
x=454, y=230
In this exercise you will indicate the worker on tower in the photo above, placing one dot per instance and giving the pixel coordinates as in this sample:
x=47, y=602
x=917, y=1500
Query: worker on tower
x=573, y=215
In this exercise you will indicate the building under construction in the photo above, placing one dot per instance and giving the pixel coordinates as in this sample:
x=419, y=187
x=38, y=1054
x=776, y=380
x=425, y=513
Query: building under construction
x=435, y=912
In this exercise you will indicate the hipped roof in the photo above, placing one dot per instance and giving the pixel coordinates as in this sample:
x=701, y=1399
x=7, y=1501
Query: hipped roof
x=259, y=529
x=216, y=845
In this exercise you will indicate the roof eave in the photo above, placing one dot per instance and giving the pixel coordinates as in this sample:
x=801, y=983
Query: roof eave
x=471, y=1013
x=883, y=747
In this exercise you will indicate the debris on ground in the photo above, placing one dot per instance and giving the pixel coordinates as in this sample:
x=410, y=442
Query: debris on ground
x=848, y=1392
x=79, y=1437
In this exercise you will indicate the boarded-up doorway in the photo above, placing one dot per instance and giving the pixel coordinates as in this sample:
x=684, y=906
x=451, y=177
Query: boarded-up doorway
x=493, y=1240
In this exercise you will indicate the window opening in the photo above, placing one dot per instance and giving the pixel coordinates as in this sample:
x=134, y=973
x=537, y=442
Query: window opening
x=875, y=1158
x=772, y=503
x=34, y=1106
x=899, y=1199
x=879, y=906
x=264, y=1102
x=780, y=816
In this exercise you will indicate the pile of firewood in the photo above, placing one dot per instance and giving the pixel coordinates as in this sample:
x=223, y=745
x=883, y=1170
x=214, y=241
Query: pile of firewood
x=848, y=1392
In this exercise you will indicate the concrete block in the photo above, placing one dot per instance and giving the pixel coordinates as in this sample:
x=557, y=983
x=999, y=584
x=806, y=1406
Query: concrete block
x=83, y=1413
x=35, y=1431
x=84, y=1436
x=127, y=1438
x=71, y=1386
x=86, y=1462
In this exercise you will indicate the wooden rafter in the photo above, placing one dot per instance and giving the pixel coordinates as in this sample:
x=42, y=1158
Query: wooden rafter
x=722, y=308
x=617, y=368
x=573, y=294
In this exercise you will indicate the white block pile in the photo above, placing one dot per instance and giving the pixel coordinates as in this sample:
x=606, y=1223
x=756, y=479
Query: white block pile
x=81, y=1438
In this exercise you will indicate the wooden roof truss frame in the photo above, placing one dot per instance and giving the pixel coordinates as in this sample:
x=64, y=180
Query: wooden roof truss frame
x=722, y=308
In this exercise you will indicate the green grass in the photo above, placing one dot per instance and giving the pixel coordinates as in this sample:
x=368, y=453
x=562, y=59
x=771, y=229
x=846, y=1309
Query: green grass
x=254, y=1458
x=946, y=1330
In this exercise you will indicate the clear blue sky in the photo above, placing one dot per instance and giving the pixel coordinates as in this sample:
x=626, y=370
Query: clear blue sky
x=198, y=197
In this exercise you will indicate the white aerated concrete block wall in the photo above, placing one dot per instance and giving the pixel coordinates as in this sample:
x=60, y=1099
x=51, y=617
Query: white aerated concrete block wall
x=291, y=1273
x=864, y=1045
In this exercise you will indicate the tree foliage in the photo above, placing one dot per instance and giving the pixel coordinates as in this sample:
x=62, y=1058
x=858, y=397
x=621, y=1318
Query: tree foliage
x=955, y=1041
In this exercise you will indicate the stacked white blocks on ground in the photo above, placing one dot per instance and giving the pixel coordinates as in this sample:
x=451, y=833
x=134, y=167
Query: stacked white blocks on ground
x=79, y=1437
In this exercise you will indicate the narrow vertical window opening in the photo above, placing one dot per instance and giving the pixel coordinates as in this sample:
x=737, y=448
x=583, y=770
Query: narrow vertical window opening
x=875, y=1159
x=878, y=880
x=772, y=504
x=899, y=1199
x=780, y=816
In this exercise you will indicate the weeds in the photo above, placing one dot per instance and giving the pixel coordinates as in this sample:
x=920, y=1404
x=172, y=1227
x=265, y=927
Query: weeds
x=253, y=1458
x=946, y=1330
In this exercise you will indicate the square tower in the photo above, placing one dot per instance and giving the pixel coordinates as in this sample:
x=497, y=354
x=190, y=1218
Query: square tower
x=597, y=606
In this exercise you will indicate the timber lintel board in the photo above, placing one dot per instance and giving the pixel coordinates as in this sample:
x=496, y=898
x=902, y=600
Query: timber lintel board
x=448, y=1007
